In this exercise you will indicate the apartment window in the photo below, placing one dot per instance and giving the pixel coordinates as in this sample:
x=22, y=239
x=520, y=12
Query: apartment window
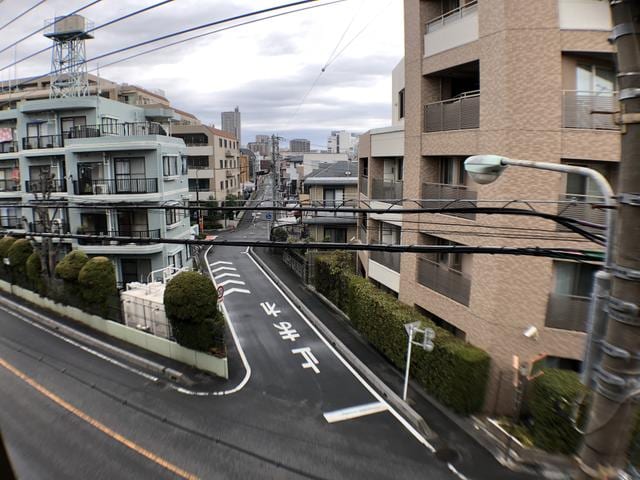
x=175, y=260
x=448, y=5
x=333, y=196
x=335, y=235
x=595, y=78
x=226, y=184
x=221, y=185
x=193, y=138
x=225, y=143
x=365, y=166
x=109, y=125
x=221, y=164
x=169, y=165
x=198, y=184
x=220, y=142
x=173, y=216
x=452, y=261
x=389, y=234
x=574, y=279
x=401, y=103
x=451, y=171
x=69, y=123
x=198, y=162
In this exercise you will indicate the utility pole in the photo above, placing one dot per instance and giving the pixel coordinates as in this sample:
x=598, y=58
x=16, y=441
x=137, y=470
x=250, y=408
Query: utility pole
x=614, y=404
x=275, y=151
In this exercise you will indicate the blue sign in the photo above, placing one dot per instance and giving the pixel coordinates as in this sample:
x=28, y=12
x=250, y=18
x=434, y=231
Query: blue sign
x=269, y=216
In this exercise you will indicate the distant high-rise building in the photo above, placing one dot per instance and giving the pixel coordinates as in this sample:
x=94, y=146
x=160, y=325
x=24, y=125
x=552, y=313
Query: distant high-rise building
x=262, y=145
x=342, y=141
x=231, y=123
x=300, y=145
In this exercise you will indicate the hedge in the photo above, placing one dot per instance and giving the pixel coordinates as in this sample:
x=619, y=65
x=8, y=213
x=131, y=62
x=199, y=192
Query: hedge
x=34, y=273
x=455, y=372
x=5, y=245
x=18, y=254
x=97, y=280
x=69, y=267
x=191, y=304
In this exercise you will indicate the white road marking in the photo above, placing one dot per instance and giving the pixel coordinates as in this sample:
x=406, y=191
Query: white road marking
x=456, y=472
x=235, y=290
x=311, y=360
x=222, y=275
x=235, y=282
x=220, y=269
x=355, y=412
x=377, y=396
x=220, y=262
x=270, y=308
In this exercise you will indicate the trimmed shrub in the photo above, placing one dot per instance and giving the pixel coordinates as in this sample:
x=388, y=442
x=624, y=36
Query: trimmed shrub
x=551, y=401
x=69, y=267
x=97, y=281
x=5, y=245
x=18, y=254
x=455, y=372
x=191, y=304
x=280, y=234
x=34, y=273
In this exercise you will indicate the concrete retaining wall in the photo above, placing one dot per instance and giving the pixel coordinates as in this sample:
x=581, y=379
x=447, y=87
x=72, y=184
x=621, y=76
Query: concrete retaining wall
x=161, y=346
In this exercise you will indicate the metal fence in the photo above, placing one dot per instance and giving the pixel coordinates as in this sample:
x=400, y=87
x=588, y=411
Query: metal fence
x=451, y=16
x=364, y=185
x=449, y=283
x=390, y=260
x=457, y=113
x=385, y=190
x=452, y=196
x=589, y=109
x=582, y=207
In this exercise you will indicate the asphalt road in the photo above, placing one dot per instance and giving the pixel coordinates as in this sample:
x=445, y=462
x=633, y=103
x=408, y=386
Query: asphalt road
x=66, y=413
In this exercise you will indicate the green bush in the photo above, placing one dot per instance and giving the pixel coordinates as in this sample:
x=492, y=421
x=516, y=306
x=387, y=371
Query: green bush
x=280, y=234
x=455, y=372
x=550, y=403
x=18, y=254
x=34, y=273
x=97, y=281
x=5, y=245
x=191, y=304
x=69, y=267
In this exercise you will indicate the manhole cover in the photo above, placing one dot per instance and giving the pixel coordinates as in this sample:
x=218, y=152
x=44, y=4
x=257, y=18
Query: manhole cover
x=446, y=454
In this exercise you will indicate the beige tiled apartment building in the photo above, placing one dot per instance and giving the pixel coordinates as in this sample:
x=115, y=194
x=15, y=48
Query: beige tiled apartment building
x=524, y=79
x=213, y=159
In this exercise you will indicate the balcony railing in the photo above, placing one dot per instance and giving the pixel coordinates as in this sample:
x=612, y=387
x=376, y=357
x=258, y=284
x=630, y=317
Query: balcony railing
x=8, y=147
x=439, y=278
x=567, y=312
x=589, y=109
x=10, y=222
x=40, y=186
x=582, y=207
x=452, y=196
x=115, y=186
x=364, y=185
x=56, y=226
x=381, y=190
x=123, y=232
x=451, y=16
x=116, y=129
x=9, y=185
x=42, y=141
x=459, y=113
x=388, y=259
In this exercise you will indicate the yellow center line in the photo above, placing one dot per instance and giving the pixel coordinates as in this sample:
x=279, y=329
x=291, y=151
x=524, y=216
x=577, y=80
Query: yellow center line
x=95, y=423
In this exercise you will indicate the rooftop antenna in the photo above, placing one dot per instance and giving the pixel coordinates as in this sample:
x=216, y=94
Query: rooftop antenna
x=68, y=57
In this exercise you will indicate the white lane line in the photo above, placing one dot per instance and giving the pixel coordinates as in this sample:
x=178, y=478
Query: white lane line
x=377, y=396
x=220, y=269
x=355, y=412
x=456, y=472
x=222, y=275
x=227, y=282
x=235, y=290
x=220, y=262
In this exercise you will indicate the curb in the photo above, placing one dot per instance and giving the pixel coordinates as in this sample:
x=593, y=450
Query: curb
x=150, y=365
x=409, y=413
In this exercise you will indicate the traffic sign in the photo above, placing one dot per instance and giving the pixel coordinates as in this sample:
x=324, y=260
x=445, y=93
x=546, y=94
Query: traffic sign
x=220, y=293
x=412, y=326
x=269, y=216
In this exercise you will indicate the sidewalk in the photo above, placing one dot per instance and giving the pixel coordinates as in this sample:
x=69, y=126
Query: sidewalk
x=459, y=440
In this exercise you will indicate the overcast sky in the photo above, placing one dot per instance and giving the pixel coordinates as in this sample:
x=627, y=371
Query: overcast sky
x=265, y=68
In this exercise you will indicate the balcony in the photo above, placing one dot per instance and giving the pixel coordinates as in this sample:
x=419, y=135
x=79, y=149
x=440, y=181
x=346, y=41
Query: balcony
x=228, y=153
x=582, y=207
x=390, y=260
x=8, y=147
x=459, y=113
x=138, y=234
x=117, y=129
x=449, y=283
x=589, y=109
x=386, y=191
x=57, y=226
x=40, y=186
x=567, y=312
x=9, y=185
x=10, y=222
x=229, y=173
x=43, y=141
x=103, y=186
x=452, y=29
x=452, y=196
x=364, y=185
x=584, y=15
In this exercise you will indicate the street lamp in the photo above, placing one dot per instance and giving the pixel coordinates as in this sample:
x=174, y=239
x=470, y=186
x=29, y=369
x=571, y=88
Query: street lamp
x=485, y=169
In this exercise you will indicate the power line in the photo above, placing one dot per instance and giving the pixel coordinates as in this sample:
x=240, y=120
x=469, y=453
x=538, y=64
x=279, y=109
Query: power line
x=93, y=29
x=572, y=254
x=22, y=14
x=48, y=25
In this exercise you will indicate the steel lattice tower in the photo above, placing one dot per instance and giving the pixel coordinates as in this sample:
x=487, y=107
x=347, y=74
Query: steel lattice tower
x=68, y=57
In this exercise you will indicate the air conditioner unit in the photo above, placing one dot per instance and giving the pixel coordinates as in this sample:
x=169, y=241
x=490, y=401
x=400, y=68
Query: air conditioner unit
x=99, y=189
